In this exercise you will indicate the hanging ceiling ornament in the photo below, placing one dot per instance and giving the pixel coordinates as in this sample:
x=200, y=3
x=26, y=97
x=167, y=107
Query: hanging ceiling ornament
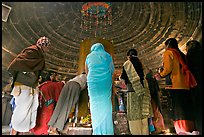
x=96, y=16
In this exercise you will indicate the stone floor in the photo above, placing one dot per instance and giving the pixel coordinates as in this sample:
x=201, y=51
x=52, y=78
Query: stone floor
x=167, y=121
x=6, y=130
x=168, y=124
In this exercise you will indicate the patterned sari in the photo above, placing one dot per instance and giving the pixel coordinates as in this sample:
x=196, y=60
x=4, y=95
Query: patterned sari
x=138, y=102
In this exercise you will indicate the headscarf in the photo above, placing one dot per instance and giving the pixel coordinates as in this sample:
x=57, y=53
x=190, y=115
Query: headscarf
x=99, y=58
x=43, y=41
x=97, y=47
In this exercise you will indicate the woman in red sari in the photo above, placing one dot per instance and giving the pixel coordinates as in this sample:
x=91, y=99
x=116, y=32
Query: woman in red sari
x=49, y=94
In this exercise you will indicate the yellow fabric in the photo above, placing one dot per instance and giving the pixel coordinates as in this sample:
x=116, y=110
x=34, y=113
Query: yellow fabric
x=189, y=78
x=171, y=64
x=17, y=84
x=139, y=127
x=18, y=87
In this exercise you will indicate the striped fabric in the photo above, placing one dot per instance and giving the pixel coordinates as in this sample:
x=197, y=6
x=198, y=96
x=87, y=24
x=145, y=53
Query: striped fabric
x=139, y=101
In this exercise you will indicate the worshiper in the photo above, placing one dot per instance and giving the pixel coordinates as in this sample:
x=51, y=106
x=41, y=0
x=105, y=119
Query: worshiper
x=68, y=98
x=99, y=68
x=153, y=86
x=25, y=69
x=49, y=93
x=179, y=83
x=194, y=59
x=138, y=102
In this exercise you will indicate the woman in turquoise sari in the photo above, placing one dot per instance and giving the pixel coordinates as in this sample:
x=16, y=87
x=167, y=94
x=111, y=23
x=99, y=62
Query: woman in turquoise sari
x=99, y=69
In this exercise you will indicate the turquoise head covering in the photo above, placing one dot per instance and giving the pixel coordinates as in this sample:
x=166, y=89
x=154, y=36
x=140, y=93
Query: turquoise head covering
x=99, y=80
x=97, y=47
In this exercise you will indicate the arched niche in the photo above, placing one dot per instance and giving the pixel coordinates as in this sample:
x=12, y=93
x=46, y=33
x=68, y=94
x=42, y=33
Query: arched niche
x=85, y=47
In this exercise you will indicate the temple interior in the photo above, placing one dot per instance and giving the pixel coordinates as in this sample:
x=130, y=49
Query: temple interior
x=144, y=26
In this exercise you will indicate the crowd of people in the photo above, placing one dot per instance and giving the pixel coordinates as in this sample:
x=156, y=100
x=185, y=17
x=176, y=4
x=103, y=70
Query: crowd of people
x=43, y=107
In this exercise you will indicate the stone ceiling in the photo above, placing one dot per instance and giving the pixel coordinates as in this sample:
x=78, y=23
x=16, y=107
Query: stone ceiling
x=141, y=25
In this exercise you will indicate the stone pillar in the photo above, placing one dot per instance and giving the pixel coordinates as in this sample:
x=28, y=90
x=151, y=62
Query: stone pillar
x=85, y=47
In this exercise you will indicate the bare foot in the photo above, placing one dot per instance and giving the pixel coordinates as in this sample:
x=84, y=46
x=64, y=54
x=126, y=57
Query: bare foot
x=13, y=132
x=53, y=131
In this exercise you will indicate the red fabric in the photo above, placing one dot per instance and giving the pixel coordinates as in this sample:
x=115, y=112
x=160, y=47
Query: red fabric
x=51, y=90
x=158, y=120
x=189, y=78
x=184, y=126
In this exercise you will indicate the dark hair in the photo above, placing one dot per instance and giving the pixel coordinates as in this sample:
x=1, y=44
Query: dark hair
x=194, y=49
x=49, y=74
x=132, y=52
x=171, y=43
x=136, y=63
x=193, y=44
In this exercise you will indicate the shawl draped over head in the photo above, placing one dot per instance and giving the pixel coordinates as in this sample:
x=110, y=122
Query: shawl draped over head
x=31, y=59
x=99, y=81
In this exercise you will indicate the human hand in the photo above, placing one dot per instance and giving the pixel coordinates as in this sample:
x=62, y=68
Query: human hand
x=120, y=84
x=157, y=76
x=160, y=69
